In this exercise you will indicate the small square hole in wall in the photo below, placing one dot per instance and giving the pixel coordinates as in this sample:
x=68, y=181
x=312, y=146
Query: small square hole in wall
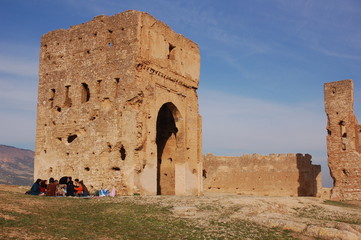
x=71, y=138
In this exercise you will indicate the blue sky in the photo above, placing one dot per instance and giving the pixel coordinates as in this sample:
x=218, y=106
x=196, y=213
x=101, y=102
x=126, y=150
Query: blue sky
x=263, y=66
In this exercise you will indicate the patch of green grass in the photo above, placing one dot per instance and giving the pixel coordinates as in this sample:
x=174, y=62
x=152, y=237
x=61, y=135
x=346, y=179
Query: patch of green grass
x=340, y=204
x=119, y=218
x=320, y=213
x=241, y=229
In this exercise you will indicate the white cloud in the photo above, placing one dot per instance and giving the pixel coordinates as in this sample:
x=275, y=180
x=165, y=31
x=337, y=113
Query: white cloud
x=19, y=59
x=15, y=66
x=236, y=125
x=18, y=112
x=19, y=95
x=18, y=129
x=334, y=53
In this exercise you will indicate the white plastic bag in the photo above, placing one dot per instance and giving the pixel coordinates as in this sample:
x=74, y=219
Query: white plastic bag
x=112, y=193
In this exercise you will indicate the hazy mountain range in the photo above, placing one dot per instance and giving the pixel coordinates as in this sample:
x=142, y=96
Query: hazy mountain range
x=16, y=166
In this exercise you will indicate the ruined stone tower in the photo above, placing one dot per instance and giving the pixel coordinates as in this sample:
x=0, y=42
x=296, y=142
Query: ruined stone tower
x=118, y=106
x=343, y=141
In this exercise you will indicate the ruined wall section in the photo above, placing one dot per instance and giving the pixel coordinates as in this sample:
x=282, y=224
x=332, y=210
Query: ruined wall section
x=169, y=63
x=262, y=175
x=343, y=140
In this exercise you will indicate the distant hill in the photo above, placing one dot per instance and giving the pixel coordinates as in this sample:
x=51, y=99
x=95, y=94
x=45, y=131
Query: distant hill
x=16, y=166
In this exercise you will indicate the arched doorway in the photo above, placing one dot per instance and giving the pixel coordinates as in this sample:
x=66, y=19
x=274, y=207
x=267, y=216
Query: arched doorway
x=167, y=151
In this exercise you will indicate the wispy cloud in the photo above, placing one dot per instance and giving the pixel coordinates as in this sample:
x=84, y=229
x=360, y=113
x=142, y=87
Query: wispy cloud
x=332, y=29
x=18, y=59
x=333, y=53
x=14, y=66
x=18, y=129
x=18, y=95
x=244, y=125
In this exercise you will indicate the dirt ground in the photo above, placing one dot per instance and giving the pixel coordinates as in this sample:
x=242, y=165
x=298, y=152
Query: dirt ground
x=308, y=217
x=305, y=217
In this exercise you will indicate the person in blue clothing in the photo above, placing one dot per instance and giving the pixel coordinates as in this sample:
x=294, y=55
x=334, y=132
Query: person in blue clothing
x=35, y=189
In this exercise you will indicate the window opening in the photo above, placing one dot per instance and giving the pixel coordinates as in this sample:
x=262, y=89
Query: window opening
x=116, y=86
x=85, y=93
x=67, y=102
x=123, y=154
x=343, y=134
x=52, y=96
x=171, y=51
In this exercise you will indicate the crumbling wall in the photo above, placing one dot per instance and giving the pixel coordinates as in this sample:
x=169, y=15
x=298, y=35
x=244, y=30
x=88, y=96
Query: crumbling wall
x=343, y=140
x=261, y=175
x=102, y=85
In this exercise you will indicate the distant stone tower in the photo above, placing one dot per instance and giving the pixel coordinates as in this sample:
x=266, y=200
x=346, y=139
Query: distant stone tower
x=118, y=106
x=343, y=141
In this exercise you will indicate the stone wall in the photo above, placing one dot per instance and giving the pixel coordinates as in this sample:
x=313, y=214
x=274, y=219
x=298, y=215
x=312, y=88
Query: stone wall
x=343, y=140
x=261, y=175
x=118, y=107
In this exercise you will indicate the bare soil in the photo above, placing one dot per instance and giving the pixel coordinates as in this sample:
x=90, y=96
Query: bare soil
x=204, y=217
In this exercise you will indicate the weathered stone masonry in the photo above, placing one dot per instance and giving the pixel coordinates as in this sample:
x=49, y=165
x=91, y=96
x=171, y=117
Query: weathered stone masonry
x=118, y=106
x=262, y=175
x=343, y=140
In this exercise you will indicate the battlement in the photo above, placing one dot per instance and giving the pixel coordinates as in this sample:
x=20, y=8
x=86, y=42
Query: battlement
x=262, y=157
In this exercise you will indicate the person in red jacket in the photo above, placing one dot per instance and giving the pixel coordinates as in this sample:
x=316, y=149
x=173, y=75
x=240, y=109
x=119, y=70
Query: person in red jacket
x=51, y=188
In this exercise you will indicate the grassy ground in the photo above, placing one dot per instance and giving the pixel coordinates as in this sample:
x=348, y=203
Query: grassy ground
x=320, y=213
x=33, y=217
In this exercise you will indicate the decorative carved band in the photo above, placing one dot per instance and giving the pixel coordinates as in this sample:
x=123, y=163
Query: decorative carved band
x=171, y=90
x=151, y=70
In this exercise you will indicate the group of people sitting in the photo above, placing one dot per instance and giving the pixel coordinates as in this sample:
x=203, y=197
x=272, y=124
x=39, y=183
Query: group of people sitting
x=64, y=187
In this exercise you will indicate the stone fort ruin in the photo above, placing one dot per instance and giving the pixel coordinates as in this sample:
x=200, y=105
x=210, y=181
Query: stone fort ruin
x=118, y=107
x=343, y=140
